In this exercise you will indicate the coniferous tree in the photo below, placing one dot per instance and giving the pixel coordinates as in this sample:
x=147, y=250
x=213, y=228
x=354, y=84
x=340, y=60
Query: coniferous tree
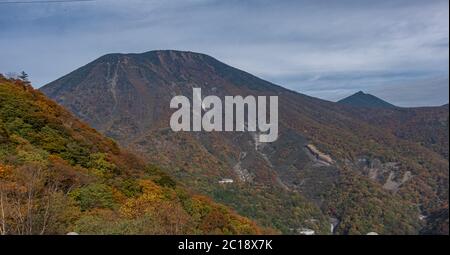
x=24, y=77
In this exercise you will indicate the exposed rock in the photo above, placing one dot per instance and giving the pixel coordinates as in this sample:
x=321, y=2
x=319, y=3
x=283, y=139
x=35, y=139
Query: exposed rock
x=321, y=157
x=393, y=185
x=243, y=174
x=334, y=222
x=385, y=173
x=226, y=181
x=306, y=231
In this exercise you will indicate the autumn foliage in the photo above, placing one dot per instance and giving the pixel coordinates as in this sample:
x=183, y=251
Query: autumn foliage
x=58, y=175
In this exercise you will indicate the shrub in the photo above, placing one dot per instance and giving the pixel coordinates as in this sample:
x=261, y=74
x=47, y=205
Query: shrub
x=94, y=196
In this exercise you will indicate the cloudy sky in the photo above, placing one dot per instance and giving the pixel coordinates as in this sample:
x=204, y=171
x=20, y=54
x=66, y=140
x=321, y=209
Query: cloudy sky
x=397, y=50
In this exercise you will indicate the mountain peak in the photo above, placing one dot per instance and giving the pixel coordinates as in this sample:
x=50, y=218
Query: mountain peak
x=361, y=99
x=168, y=54
x=125, y=87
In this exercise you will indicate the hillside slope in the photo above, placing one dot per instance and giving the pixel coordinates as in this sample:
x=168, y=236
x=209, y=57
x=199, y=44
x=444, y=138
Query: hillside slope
x=328, y=165
x=58, y=175
x=426, y=126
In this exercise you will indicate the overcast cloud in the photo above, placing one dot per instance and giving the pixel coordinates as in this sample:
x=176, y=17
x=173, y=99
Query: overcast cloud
x=397, y=50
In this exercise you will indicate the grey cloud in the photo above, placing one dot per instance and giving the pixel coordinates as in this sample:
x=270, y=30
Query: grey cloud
x=324, y=48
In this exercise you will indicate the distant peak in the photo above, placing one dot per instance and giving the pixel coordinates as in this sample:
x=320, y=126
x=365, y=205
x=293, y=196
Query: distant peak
x=361, y=99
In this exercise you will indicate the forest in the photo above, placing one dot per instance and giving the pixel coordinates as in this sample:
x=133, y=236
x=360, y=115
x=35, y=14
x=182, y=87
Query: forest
x=58, y=175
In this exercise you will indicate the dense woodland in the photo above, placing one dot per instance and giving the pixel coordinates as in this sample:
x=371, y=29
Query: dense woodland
x=58, y=175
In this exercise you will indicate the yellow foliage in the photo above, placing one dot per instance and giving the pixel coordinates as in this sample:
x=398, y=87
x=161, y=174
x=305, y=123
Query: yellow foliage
x=152, y=194
x=5, y=171
x=118, y=196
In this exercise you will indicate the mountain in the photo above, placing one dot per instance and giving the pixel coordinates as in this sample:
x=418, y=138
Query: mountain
x=329, y=165
x=361, y=99
x=58, y=175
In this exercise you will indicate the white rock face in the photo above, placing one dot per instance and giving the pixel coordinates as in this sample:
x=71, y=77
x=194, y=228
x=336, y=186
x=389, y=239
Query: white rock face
x=320, y=156
x=225, y=181
x=306, y=232
x=243, y=174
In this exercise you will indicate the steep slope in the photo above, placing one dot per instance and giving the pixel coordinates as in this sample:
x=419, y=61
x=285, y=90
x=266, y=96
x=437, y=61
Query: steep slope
x=361, y=99
x=58, y=175
x=427, y=126
x=328, y=166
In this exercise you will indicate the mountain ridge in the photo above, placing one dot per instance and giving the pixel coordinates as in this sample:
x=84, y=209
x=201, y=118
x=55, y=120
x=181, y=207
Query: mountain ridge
x=284, y=174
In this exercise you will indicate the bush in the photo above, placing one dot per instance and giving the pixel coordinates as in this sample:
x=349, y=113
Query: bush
x=130, y=188
x=94, y=196
x=166, y=181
